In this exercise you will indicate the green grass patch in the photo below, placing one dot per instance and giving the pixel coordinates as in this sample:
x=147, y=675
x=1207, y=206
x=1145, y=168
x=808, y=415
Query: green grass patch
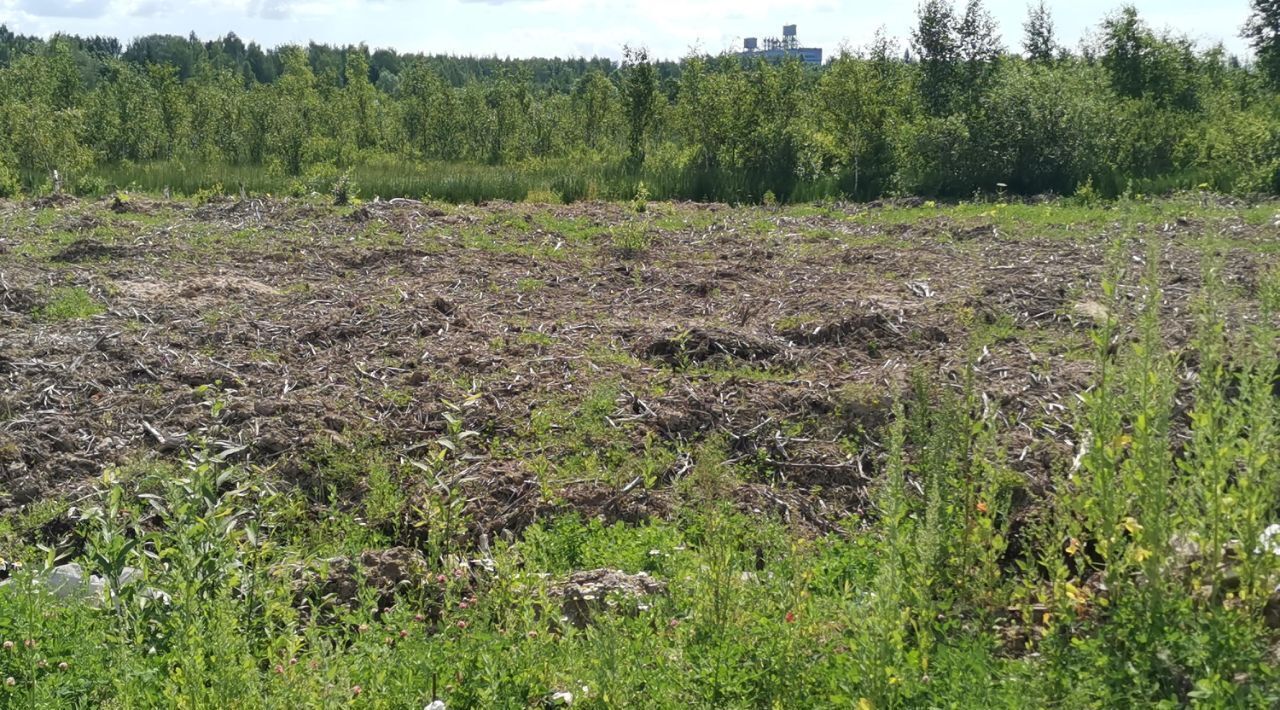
x=68, y=303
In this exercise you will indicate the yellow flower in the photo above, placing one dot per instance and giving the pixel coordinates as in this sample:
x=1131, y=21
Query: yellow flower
x=1132, y=525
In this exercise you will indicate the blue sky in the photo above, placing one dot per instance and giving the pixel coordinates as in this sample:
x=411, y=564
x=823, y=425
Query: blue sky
x=574, y=27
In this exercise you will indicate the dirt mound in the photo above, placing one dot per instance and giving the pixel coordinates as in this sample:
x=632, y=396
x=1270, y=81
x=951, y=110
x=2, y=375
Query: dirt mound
x=56, y=200
x=389, y=573
x=83, y=250
x=698, y=345
x=871, y=331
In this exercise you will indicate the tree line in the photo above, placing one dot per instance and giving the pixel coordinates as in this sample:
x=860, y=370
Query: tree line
x=953, y=112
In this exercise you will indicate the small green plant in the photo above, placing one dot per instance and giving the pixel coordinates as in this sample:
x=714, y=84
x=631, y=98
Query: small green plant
x=543, y=196
x=345, y=190
x=10, y=185
x=630, y=240
x=206, y=195
x=68, y=303
x=640, y=203
x=1086, y=195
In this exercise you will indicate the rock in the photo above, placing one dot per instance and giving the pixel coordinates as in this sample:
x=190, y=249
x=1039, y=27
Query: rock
x=69, y=581
x=1091, y=310
x=587, y=593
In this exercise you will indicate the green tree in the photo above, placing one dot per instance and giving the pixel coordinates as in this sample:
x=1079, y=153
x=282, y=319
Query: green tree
x=640, y=96
x=293, y=105
x=595, y=100
x=1040, y=43
x=979, y=48
x=938, y=49
x=1263, y=33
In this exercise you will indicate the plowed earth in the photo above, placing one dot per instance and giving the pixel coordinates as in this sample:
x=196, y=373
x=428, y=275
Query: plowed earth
x=609, y=353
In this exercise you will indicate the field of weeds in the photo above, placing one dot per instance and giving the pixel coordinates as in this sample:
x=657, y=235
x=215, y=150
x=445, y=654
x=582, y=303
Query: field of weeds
x=657, y=455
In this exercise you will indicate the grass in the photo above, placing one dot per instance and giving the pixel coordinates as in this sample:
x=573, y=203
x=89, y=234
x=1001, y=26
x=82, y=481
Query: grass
x=68, y=303
x=535, y=182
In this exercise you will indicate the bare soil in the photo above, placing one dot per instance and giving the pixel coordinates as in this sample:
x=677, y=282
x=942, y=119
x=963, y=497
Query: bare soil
x=276, y=330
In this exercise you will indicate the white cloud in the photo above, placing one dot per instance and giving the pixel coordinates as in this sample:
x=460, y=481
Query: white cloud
x=64, y=8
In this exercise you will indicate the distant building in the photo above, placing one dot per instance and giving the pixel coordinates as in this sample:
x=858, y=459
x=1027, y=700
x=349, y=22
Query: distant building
x=774, y=50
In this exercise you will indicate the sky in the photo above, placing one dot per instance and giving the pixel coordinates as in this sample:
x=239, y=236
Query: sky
x=564, y=28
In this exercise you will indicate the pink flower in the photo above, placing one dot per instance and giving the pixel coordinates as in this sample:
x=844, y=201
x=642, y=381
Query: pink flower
x=404, y=633
x=462, y=624
x=356, y=690
x=791, y=617
x=462, y=605
x=419, y=618
x=279, y=669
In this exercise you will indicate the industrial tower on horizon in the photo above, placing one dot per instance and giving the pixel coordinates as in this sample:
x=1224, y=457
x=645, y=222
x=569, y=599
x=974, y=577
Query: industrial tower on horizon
x=774, y=49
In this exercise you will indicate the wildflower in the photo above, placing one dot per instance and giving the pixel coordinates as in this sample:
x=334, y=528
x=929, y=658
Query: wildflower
x=42, y=663
x=982, y=507
x=1269, y=540
x=435, y=705
x=441, y=579
x=458, y=572
x=279, y=669
x=362, y=628
x=462, y=624
x=63, y=666
x=8, y=645
x=462, y=605
x=356, y=690
x=29, y=643
x=532, y=634
x=673, y=623
x=293, y=661
x=404, y=633
x=419, y=618
x=10, y=681
x=791, y=617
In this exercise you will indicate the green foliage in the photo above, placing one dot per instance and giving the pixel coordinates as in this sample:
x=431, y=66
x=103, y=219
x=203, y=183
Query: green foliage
x=10, y=185
x=68, y=303
x=1263, y=33
x=640, y=97
x=1139, y=106
x=344, y=190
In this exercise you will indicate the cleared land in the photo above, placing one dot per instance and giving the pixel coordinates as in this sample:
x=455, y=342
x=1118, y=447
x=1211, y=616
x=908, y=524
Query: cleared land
x=522, y=363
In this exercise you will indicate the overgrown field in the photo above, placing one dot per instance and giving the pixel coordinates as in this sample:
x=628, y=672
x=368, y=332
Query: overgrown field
x=639, y=455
